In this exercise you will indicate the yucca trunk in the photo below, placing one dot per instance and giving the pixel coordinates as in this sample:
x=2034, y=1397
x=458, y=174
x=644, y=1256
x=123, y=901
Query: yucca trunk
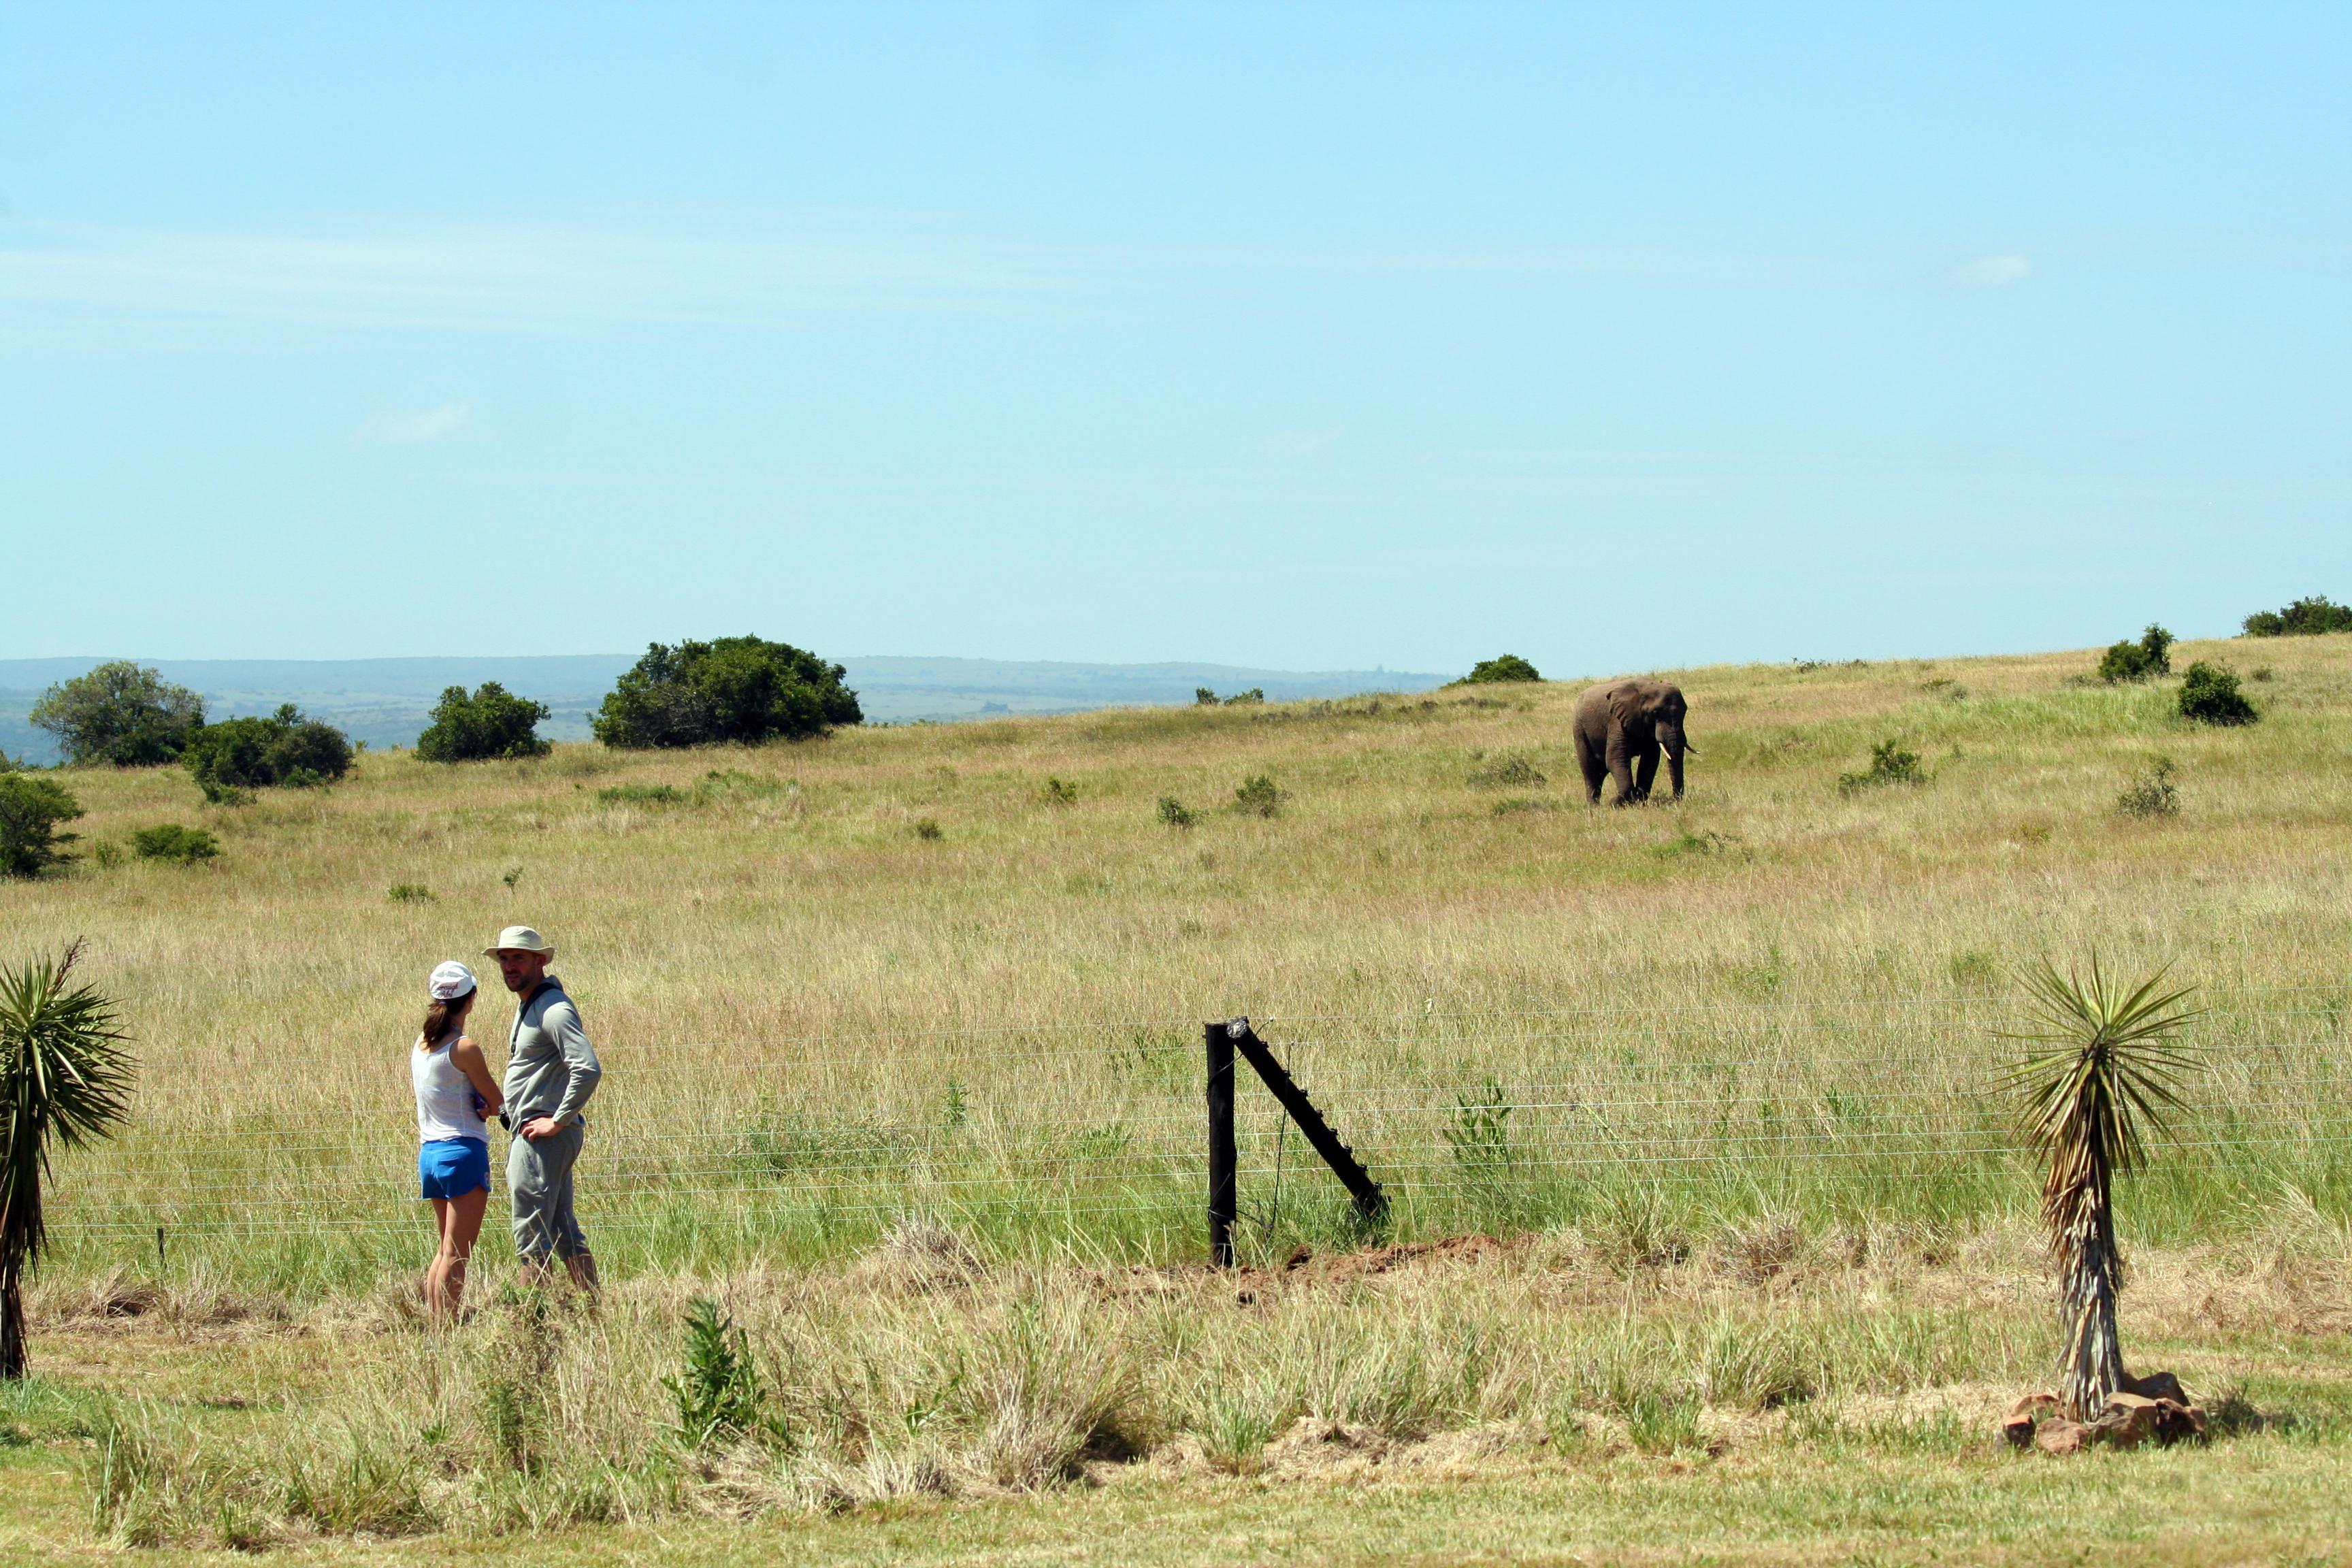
x=2078, y=1209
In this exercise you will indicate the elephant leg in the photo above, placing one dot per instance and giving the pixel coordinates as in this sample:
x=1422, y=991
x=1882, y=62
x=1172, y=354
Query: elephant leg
x=1620, y=767
x=1588, y=758
x=1645, y=770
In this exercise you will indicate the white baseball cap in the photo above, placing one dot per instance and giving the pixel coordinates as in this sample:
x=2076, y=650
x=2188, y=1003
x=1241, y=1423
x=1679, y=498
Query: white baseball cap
x=450, y=981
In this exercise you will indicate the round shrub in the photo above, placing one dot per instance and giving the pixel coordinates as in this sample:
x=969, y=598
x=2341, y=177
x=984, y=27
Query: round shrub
x=492, y=722
x=2305, y=617
x=1505, y=666
x=2141, y=660
x=30, y=810
x=2210, y=695
x=170, y=841
x=283, y=750
x=744, y=689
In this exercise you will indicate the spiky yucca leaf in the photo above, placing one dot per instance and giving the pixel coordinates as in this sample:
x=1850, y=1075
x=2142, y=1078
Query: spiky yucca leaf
x=2102, y=1077
x=64, y=1081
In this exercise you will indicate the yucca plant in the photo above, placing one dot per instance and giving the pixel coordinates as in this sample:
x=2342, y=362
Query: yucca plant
x=2099, y=1076
x=64, y=1081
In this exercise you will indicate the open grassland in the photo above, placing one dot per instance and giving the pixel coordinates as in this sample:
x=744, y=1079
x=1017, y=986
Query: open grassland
x=1727, y=1064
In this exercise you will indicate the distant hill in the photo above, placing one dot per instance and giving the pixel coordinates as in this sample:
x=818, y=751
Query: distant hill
x=384, y=701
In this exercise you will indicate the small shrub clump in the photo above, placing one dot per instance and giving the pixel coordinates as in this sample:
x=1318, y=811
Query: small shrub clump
x=719, y=1392
x=1259, y=796
x=742, y=690
x=30, y=810
x=1889, y=765
x=411, y=893
x=492, y=722
x=2152, y=794
x=1204, y=698
x=284, y=751
x=2304, y=617
x=2142, y=660
x=170, y=841
x=928, y=828
x=1502, y=667
x=2210, y=695
x=1175, y=813
x=1058, y=793
x=640, y=795
x=1505, y=773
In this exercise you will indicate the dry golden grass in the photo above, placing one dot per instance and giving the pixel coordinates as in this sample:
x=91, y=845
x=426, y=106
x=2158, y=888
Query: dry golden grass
x=1766, y=1270
x=1774, y=993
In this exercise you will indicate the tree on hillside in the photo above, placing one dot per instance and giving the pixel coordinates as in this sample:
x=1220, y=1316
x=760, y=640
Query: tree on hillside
x=64, y=1081
x=122, y=713
x=2101, y=1072
x=492, y=722
x=30, y=810
x=2304, y=617
x=744, y=689
x=2141, y=660
x=1505, y=666
x=284, y=751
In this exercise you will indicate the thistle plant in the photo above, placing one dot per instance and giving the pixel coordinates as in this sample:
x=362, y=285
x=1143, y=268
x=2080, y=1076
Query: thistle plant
x=64, y=1081
x=2099, y=1077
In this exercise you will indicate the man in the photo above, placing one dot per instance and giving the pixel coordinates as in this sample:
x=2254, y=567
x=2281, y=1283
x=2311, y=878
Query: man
x=552, y=1069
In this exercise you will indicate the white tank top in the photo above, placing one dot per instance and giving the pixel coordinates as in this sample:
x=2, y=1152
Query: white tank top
x=445, y=1096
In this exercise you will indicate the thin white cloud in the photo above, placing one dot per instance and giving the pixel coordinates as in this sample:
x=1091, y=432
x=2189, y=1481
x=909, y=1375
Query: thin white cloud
x=522, y=281
x=153, y=286
x=1992, y=272
x=406, y=429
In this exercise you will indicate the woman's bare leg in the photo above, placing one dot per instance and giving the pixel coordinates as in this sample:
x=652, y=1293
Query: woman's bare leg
x=437, y=1273
x=460, y=1222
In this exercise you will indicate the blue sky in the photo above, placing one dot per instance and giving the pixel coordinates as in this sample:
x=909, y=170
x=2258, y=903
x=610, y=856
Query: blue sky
x=1303, y=336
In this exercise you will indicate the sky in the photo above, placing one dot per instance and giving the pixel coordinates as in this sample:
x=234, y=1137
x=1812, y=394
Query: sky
x=1302, y=336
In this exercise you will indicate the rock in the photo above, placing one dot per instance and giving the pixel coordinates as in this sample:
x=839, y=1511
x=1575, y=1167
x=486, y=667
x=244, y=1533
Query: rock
x=2127, y=1420
x=2159, y=1385
x=2017, y=1429
x=2060, y=1435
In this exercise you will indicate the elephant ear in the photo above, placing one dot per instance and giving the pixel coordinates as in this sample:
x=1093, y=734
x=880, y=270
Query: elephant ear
x=1626, y=702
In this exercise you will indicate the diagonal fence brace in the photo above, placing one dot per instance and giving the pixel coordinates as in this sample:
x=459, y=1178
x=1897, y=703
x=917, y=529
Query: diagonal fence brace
x=1224, y=1040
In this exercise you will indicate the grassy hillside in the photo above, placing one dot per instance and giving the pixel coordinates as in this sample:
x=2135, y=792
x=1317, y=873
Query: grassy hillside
x=921, y=1104
x=815, y=1016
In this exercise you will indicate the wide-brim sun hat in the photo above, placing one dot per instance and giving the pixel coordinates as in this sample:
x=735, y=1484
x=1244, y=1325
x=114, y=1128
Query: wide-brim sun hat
x=449, y=981
x=519, y=939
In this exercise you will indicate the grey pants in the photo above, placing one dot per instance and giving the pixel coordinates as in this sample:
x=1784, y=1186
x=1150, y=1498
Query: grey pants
x=539, y=1180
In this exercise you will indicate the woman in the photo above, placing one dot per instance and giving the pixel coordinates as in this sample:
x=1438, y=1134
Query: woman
x=455, y=1094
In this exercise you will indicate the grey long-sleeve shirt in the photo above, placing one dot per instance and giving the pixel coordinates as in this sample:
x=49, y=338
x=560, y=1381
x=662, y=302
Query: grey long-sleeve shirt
x=552, y=1069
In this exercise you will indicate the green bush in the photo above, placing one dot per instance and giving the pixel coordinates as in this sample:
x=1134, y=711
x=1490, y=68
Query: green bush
x=1505, y=666
x=2153, y=793
x=122, y=713
x=492, y=722
x=1060, y=792
x=410, y=893
x=1889, y=765
x=1259, y=797
x=1175, y=813
x=284, y=751
x=1203, y=698
x=170, y=841
x=640, y=795
x=2210, y=695
x=2304, y=617
x=30, y=810
x=742, y=690
x=2149, y=657
x=927, y=828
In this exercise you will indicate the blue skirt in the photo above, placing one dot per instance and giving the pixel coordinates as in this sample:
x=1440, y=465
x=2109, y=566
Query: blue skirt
x=452, y=1167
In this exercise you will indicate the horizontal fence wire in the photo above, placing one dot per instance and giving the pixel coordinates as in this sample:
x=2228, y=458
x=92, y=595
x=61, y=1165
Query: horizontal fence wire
x=1069, y=1123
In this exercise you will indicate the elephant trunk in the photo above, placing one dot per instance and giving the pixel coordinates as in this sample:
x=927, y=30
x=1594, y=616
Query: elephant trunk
x=1671, y=737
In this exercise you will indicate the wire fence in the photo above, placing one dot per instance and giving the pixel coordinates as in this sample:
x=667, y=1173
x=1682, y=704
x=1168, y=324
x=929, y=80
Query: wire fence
x=1094, y=1132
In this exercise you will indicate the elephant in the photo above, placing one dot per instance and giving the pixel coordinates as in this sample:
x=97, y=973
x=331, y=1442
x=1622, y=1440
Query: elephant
x=1619, y=727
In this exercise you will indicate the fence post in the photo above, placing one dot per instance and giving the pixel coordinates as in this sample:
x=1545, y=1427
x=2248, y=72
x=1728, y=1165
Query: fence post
x=1222, y=1162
